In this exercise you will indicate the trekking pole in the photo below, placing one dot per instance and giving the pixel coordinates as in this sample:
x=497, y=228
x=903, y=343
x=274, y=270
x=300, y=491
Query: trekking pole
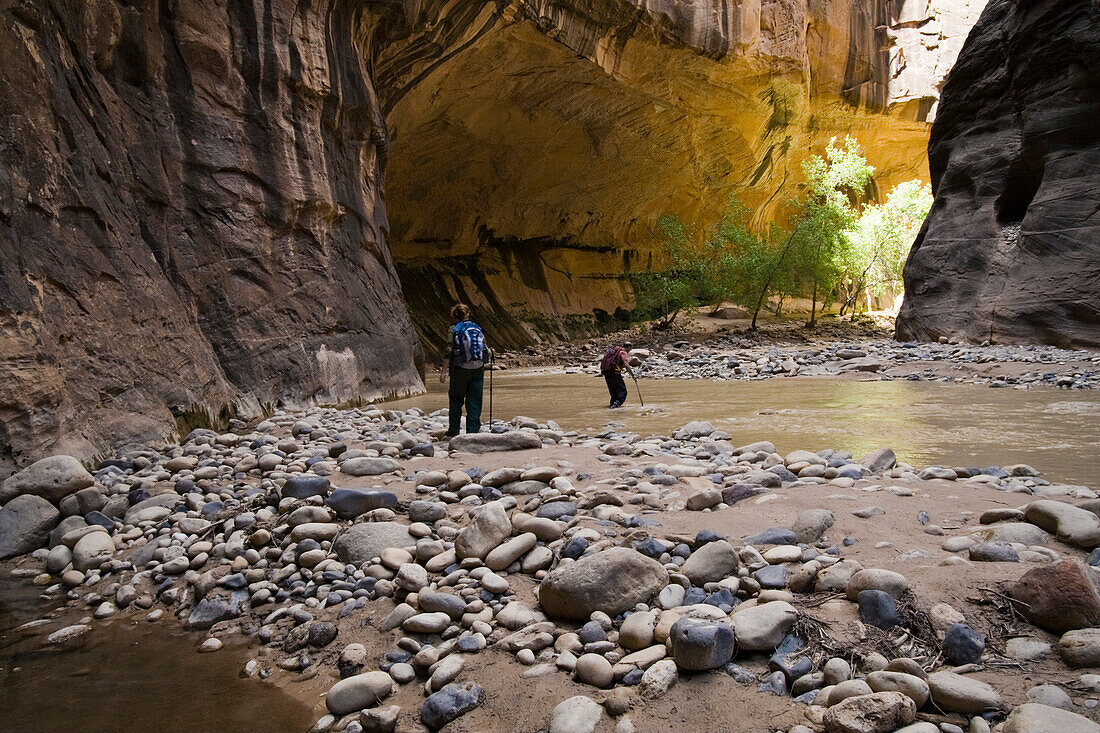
x=492, y=364
x=637, y=389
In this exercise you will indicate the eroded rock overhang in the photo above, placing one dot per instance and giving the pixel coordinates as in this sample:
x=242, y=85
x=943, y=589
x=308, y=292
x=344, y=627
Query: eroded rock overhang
x=534, y=144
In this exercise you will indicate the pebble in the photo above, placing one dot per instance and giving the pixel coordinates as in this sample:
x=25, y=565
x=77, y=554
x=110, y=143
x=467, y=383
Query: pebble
x=594, y=670
x=229, y=530
x=963, y=645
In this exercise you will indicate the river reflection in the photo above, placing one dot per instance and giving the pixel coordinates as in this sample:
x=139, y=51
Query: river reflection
x=1056, y=431
x=129, y=677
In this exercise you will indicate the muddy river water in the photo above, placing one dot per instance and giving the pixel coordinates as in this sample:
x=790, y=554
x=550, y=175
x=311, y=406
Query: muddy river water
x=1056, y=431
x=140, y=677
x=129, y=676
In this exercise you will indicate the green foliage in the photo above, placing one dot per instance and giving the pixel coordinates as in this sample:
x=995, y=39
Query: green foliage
x=833, y=247
x=820, y=248
x=730, y=263
x=882, y=237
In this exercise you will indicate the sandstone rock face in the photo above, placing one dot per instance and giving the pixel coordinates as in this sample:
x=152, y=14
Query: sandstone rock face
x=197, y=227
x=191, y=219
x=1011, y=248
x=646, y=108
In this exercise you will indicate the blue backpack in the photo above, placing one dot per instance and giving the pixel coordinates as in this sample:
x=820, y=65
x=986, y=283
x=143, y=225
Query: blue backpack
x=469, y=352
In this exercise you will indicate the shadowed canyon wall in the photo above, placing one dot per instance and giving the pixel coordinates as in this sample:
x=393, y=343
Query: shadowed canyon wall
x=536, y=143
x=191, y=218
x=1011, y=249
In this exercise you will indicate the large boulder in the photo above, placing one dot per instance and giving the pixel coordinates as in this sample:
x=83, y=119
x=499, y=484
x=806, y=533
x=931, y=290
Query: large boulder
x=879, y=712
x=25, y=524
x=612, y=581
x=363, y=541
x=490, y=527
x=52, y=478
x=1059, y=597
x=492, y=442
x=1069, y=523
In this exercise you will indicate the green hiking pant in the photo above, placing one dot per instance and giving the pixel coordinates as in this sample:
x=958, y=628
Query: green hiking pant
x=466, y=388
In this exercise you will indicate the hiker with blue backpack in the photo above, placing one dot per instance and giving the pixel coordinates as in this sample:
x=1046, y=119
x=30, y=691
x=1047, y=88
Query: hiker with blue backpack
x=465, y=358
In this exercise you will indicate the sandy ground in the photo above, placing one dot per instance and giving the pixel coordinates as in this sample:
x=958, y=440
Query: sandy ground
x=713, y=701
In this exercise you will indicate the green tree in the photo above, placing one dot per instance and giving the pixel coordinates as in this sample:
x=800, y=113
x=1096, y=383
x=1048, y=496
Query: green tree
x=662, y=294
x=752, y=262
x=819, y=246
x=731, y=262
x=881, y=240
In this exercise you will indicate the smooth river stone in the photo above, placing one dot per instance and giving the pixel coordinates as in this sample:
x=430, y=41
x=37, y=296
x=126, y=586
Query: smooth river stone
x=510, y=551
x=490, y=527
x=958, y=694
x=51, y=478
x=358, y=691
x=612, y=581
x=367, y=540
x=25, y=524
x=1035, y=718
x=1070, y=523
x=366, y=466
x=762, y=628
x=492, y=442
x=712, y=562
x=451, y=702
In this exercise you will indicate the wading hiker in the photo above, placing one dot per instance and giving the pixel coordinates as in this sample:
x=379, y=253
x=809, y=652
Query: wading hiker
x=464, y=357
x=614, y=360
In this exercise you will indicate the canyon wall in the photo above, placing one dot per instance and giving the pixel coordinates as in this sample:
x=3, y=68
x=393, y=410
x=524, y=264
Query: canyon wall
x=192, y=220
x=1011, y=249
x=535, y=144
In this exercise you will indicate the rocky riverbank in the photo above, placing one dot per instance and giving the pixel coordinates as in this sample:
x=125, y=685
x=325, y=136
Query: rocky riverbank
x=845, y=350
x=536, y=579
